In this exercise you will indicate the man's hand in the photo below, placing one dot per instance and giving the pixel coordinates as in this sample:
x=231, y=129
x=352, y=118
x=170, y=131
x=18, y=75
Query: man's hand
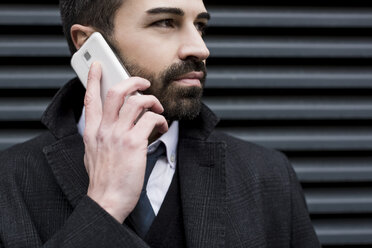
x=116, y=146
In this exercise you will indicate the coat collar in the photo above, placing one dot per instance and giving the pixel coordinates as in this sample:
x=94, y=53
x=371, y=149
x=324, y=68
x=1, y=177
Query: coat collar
x=201, y=164
x=62, y=114
x=201, y=127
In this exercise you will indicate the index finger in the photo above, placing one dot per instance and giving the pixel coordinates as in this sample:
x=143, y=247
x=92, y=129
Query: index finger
x=92, y=100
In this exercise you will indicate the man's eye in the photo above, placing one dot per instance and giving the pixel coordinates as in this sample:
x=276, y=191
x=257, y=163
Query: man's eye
x=201, y=27
x=166, y=23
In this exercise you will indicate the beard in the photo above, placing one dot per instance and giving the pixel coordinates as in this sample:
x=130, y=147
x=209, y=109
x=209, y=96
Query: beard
x=179, y=102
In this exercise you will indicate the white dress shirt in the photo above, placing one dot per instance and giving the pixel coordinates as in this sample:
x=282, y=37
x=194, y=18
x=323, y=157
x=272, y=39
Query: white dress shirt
x=162, y=174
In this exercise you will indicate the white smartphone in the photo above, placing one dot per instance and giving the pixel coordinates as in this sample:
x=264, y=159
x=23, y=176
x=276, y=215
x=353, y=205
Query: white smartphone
x=94, y=49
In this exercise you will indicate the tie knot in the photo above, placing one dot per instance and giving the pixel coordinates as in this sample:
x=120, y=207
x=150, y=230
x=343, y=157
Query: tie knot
x=151, y=161
x=159, y=151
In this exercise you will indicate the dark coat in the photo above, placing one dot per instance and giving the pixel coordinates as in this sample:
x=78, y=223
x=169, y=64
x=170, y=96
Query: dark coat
x=233, y=193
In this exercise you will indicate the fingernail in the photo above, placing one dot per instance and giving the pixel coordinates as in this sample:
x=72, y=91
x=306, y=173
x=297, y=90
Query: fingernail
x=95, y=63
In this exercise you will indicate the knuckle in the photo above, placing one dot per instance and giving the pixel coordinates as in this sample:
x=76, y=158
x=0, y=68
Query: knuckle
x=132, y=141
x=162, y=118
x=101, y=136
x=91, y=76
x=152, y=99
x=112, y=93
x=150, y=116
x=159, y=119
x=88, y=99
x=133, y=101
x=86, y=138
x=116, y=136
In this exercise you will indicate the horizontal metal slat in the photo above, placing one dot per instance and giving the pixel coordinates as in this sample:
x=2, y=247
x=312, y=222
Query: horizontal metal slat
x=290, y=77
x=300, y=138
x=32, y=77
x=333, y=169
x=11, y=137
x=291, y=107
x=226, y=77
x=310, y=47
x=29, y=15
x=33, y=46
x=290, y=47
x=339, y=200
x=22, y=109
x=291, y=17
x=344, y=231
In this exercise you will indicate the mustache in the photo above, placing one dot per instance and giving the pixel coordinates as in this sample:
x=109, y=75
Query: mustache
x=179, y=69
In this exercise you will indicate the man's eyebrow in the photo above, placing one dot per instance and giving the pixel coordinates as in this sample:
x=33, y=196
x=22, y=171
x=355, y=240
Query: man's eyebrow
x=204, y=15
x=175, y=11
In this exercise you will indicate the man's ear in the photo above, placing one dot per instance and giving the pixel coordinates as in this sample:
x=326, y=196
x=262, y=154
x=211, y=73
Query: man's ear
x=79, y=34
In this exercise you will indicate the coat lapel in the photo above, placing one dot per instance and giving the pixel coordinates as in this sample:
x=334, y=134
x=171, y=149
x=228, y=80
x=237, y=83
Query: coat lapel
x=66, y=158
x=203, y=192
x=202, y=185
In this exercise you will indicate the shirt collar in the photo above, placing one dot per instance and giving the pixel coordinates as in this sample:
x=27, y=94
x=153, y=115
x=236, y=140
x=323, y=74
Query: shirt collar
x=170, y=140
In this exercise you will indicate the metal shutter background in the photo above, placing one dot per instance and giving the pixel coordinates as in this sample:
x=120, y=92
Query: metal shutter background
x=295, y=77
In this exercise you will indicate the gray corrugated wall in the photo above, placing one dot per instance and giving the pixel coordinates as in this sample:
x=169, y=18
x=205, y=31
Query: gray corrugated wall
x=297, y=78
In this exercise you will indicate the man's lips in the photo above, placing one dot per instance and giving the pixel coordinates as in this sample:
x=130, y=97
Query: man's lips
x=191, y=78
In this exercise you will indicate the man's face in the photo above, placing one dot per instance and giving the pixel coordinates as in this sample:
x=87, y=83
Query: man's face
x=161, y=40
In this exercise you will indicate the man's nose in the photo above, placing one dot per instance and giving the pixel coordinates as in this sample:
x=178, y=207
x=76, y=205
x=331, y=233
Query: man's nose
x=192, y=45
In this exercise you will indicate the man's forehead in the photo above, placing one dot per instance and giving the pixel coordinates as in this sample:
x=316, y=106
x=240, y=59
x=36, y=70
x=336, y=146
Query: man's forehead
x=187, y=6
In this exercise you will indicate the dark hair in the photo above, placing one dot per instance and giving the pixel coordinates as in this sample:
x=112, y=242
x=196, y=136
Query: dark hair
x=96, y=13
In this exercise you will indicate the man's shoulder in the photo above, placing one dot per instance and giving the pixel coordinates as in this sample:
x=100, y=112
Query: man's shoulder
x=21, y=157
x=243, y=157
x=244, y=149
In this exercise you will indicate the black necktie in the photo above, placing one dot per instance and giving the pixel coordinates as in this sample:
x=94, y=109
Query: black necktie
x=143, y=215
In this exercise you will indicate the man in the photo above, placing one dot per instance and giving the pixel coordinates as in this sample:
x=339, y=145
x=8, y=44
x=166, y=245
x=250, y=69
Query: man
x=84, y=182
